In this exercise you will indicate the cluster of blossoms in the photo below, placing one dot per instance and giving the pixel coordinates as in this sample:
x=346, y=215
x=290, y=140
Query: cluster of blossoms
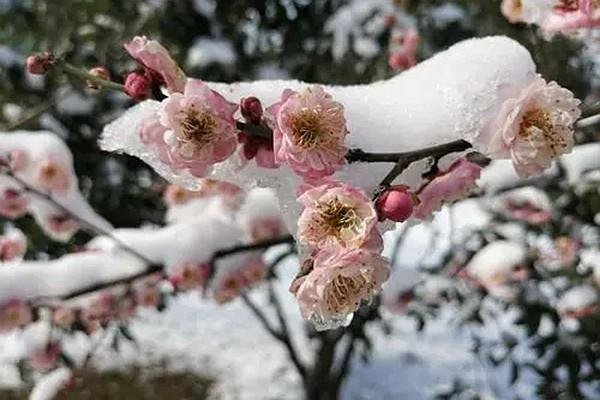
x=44, y=163
x=554, y=16
x=342, y=267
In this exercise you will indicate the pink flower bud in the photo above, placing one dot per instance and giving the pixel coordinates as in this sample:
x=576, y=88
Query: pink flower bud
x=251, y=109
x=138, y=85
x=98, y=72
x=40, y=63
x=395, y=204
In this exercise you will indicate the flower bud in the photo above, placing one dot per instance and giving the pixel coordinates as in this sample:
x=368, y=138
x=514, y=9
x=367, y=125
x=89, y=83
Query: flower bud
x=251, y=109
x=138, y=85
x=395, y=203
x=40, y=63
x=98, y=72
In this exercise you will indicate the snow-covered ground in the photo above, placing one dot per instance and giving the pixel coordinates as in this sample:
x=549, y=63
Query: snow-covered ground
x=229, y=344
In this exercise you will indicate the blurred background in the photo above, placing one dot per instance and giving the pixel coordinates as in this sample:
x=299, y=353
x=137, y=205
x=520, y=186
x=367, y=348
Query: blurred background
x=328, y=41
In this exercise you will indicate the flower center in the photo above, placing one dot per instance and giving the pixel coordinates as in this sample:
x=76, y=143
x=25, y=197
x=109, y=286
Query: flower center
x=197, y=127
x=344, y=289
x=537, y=125
x=337, y=217
x=307, y=129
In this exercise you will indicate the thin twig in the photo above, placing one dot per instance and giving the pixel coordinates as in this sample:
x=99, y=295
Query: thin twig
x=261, y=317
x=286, y=337
x=87, y=77
x=95, y=347
x=34, y=113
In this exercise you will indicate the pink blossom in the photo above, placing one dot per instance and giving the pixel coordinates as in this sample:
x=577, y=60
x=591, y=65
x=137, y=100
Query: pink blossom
x=188, y=276
x=40, y=63
x=60, y=227
x=177, y=195
x=309, y=132
x=251, y=110
x=147, y=294
x=14, y=314
x=571, y=15
x=13, y=246
x=99, y=313
x=18, y=160
x=229, y=287
x=45, y=359
x=53, y=177
x=533, y=128
x=403, y=49
x=13, y=203
x=64, y=317
x=336, y=215
x=528, y=212
x=157, y=60
x=338, y=284
x=207, y=188
x=262, y=229
x=454, y=184
x=512, y=10
x=200, y=129
x=254, y=271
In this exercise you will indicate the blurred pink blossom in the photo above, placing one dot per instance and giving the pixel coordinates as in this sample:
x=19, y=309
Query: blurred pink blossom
x=54, y=177
x=14, y=314
x=13, y=203
x=403, y=49
x=571, y=15
x=13, y=245
x=64, y=317
x=45, y=358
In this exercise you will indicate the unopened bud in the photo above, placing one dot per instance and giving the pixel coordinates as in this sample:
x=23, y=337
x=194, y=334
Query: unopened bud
x=251, y=109
x=40, y=63
x=395, y=203
x=138, y=85
x=98, y=72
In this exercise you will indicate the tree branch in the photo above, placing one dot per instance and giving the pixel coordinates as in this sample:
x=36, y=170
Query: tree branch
x=286, y=338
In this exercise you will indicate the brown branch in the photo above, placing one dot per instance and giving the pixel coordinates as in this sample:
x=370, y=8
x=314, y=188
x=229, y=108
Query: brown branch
x=286, y=338
x=85, y=76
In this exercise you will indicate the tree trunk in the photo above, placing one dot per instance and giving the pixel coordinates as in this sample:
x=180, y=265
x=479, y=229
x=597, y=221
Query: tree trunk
x=322, y=382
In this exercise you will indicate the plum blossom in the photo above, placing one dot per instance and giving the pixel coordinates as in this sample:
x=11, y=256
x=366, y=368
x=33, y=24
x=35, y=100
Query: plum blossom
x=265, y=228
x=395, y=204
x=568, y=16
x=404, y=44
x=59, y=227
x=14, y=314
x=338, y=284
x=197, y=129
x=188, y=276
x=53, y=177
x=13, y=245
x=254, y=271
x=147, y=292
x=533, y=128
x=157, y=61
x=45, y=358
x=309, y=132
x=336, y=214
x=529, y=205
x=13, y=202
x=451, y=185
x=64, y=317
x=99, y=312
x=229, y=287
